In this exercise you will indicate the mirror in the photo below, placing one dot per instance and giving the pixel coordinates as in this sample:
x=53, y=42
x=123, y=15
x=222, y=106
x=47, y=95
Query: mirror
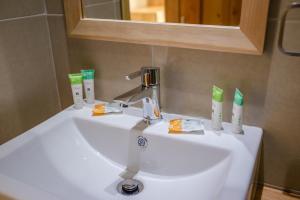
x=233, y=26
x=211, y=12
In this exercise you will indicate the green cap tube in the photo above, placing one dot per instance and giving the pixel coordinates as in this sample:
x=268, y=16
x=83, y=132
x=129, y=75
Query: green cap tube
x=75, y=79
x=88, y=74
x=218, y=94
x=238, y=97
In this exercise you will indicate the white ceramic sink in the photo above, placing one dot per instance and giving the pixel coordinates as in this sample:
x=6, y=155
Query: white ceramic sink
x=76, y=156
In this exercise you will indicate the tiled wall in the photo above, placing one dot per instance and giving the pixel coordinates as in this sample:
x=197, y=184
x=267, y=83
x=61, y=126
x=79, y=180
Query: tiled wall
x=270, y=82
x=27, y=76
x=281, y=112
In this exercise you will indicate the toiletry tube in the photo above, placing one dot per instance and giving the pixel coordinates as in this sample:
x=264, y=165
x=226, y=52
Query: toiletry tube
x=237, y=112
x=76, y=84
x=88, y=82
x=217, y=104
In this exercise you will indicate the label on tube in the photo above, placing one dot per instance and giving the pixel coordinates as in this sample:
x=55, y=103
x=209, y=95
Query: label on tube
x=88, y=82
x=76, y=85
x=237, y=112
x=217, y=104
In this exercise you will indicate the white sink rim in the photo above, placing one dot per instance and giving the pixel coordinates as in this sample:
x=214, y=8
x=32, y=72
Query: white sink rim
x=235, y=182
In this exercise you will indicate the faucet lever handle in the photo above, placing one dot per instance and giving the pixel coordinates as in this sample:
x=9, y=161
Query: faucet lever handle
x=133, y=75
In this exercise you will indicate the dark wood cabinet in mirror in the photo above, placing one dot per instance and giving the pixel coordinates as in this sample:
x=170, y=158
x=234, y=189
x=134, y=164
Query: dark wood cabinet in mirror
x=212, y=12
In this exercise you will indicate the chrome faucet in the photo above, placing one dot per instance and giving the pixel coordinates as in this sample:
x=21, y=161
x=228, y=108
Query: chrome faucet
x=148, y=92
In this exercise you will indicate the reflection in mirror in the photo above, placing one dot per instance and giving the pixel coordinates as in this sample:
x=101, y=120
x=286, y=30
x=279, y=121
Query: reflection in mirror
x=212, y=12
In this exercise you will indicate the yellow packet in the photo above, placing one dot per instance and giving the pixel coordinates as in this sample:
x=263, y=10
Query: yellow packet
x=105, y=108
x=178, y=126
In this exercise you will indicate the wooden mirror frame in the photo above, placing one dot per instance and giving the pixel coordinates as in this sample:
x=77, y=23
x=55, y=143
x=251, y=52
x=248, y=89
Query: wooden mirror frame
x=248, y=38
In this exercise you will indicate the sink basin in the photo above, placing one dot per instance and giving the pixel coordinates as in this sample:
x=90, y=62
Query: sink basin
x=76, y=156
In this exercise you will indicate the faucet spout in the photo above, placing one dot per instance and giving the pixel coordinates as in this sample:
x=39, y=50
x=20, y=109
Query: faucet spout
x=134, y=96
x=148, y=92
x=131, y=97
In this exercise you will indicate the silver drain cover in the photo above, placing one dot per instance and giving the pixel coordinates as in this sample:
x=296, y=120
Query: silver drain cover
x=130, y=187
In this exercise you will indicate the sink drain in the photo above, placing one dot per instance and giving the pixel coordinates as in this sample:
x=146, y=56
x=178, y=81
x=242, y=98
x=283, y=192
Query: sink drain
x=130, y=187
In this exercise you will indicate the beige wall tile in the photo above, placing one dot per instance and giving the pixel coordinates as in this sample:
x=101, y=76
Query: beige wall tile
x=60, y=56
x=188, y=77
x=281, y=124
x=277, y=8
x=294, y=14
x=112, y=62
x=20, y=8
x=55, y=6
x=107, y=10
x=291, y=36
x=27, y=80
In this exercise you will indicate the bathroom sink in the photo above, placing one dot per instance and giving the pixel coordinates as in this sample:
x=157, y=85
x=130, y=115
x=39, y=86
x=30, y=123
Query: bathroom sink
x=74, y=155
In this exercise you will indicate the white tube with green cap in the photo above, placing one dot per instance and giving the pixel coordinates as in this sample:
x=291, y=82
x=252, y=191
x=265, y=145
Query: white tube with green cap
x=217, y=104
x=88, y=82
x=237, y=112
x=76, y=84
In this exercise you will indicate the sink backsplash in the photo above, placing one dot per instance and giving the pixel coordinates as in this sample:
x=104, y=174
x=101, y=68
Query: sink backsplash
x=187, y=76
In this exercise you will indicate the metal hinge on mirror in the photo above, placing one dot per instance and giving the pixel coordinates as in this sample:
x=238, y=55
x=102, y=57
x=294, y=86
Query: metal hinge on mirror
x=293, y=5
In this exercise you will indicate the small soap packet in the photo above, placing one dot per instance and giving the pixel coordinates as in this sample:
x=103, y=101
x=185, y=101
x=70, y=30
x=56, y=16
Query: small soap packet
x=179, y=126
x=106, y=108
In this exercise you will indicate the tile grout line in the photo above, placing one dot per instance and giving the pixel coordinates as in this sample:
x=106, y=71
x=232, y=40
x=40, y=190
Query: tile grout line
x=31, y=16
x=152, y=56
x=52, y=56
x=55, y=15
x=45, y=7
x=53, y=64
x=23, y=17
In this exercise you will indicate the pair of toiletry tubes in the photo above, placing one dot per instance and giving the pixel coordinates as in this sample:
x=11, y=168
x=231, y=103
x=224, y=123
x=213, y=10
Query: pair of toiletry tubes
x=237, y=110
x=87, y=78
